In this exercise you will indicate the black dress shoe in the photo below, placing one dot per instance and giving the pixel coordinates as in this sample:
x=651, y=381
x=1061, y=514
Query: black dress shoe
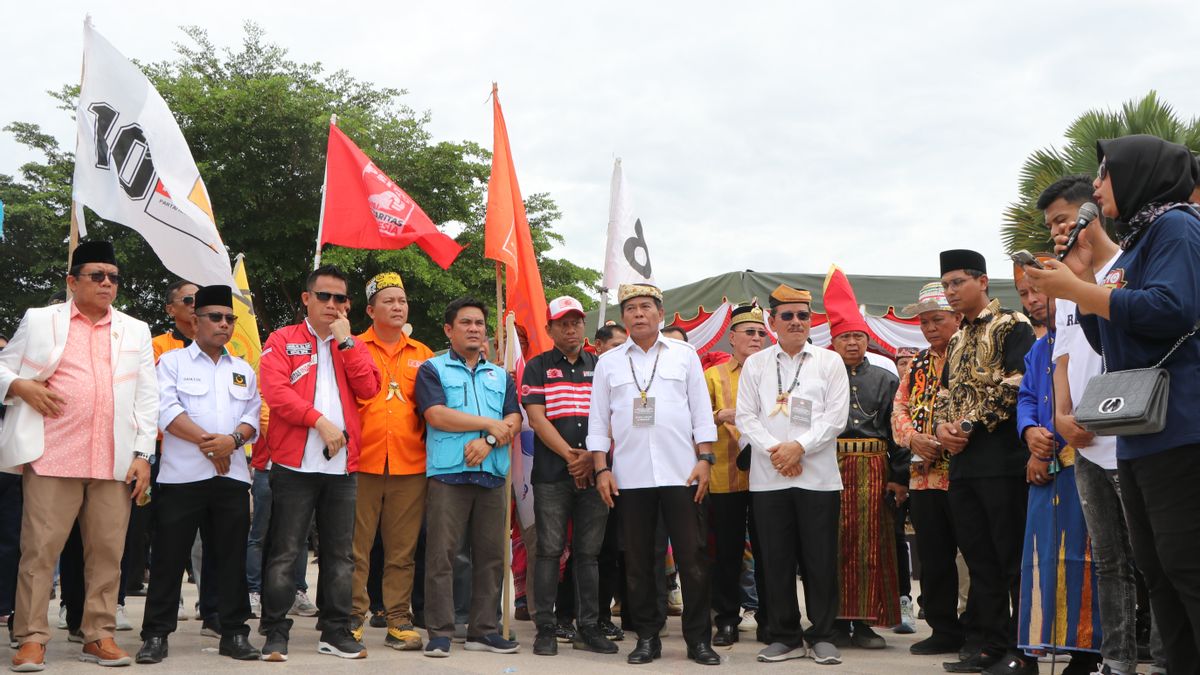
x=703, y=654
x=153, y=650
x=646, y=651
x=725, y=637
x=1013, y=664
x=936, y=644
x=975, y=663
x=238, y=647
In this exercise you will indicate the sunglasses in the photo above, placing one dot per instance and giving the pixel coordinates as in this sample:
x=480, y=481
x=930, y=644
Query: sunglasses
x=1102, y=172
x=788, y=316
x=218, y=317
x=99, y=277
x=188, y=300
x=753, y=332
x=325, y=296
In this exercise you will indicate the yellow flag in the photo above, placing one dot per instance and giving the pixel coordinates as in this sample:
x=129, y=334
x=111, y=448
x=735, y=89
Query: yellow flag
x=245, y=342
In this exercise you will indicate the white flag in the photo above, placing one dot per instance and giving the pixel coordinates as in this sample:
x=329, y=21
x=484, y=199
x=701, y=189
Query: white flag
x=627, y=257
x=133, y=166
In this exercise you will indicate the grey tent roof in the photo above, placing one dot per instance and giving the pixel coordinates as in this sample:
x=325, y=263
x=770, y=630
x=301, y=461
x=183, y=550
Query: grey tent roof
x=878, y=293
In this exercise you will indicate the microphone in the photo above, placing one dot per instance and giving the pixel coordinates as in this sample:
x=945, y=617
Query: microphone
x=1087, y=213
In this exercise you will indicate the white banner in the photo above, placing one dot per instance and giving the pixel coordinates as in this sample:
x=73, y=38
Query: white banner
x=133, y=166
x=627, y=256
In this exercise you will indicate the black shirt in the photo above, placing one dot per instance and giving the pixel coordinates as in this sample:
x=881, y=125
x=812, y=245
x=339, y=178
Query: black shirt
x=565, y=389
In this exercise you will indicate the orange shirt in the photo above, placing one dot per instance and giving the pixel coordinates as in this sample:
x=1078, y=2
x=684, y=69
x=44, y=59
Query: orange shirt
x=393, y=432
x=79, y=442
x=169, y=341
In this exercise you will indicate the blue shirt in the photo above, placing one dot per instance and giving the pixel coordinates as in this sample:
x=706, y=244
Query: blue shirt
x=1035, y=398
x=1155, y=301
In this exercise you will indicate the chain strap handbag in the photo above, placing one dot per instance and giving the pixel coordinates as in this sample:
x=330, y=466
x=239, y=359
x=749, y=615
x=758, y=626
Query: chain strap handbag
x=1128, y=402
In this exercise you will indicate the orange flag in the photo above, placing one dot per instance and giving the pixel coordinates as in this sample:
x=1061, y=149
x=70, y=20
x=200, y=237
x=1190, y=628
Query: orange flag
x=506, y=240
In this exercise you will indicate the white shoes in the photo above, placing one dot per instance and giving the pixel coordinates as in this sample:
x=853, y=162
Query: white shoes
x=123, y=619
x=62, y=617
x=749, y=622
x=182, y=614
x=908, y=624
x=302, y=606
x=255, y=605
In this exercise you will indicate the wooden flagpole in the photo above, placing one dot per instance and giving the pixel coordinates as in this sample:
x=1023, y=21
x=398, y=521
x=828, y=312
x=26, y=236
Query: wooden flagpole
x=501, y=334
x=321, y=221
x=73, y=240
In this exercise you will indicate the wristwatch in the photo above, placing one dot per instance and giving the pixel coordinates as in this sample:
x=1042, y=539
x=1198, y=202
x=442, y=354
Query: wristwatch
x=490, y=440
x=708, y=457
x=967, y=427
x=238, y=439
x=347, y=343
x=149, y=458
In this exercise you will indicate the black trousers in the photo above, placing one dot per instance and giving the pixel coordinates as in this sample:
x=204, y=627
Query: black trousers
x=903, y=563
x=611, y=569
x=686, y=525
x=11, y=501
x=1159, y=496
x=934, y=526
x=137, y=539
x=732, y=516
x=989, y=523
x=802, y=530
x=221, y=506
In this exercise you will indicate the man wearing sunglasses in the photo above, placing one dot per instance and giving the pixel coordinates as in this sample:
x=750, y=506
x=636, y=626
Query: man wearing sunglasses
x=84, y=403
x=180, y=306
x=729, y=485
x=209, y=408
x=313, y=374
x=793, y=401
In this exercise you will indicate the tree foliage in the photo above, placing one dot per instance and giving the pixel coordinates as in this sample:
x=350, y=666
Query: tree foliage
x=1023, y=225
x=257, y=124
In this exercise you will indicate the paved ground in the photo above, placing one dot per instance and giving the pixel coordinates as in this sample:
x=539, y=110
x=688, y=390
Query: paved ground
x=192, y=653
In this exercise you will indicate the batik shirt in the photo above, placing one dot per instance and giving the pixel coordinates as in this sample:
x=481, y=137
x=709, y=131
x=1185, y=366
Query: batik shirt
x=912, y=414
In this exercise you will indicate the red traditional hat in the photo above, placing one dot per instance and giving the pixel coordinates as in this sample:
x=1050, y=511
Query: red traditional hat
x=840, y=304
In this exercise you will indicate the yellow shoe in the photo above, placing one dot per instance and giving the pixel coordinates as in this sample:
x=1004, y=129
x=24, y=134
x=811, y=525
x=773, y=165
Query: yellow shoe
x=403, y=638
x=356, y=631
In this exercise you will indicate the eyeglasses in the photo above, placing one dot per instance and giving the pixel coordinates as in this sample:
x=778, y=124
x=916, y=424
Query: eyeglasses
x=188, y=300
x=786, y=317
x=217, y=317
x=325, y=296
x=752, y=332
x=99, y=277
x=955, y=283
x=1102, y=172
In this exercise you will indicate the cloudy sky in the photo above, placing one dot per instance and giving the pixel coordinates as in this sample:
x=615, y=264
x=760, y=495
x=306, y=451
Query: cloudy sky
x=774, y=136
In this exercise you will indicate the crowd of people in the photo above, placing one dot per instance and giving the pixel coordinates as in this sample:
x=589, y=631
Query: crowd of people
x=717, y=488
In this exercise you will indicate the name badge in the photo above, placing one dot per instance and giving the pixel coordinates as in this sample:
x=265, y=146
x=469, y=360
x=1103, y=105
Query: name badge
x=298, y=348
x=643, y=412
x=801, y=412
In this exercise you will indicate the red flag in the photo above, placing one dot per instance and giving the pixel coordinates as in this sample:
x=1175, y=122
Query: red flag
x=365, y=209
x=507, y=240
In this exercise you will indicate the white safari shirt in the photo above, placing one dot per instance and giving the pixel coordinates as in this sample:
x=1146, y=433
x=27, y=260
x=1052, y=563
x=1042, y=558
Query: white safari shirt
x=824, y=383
x=217, y=397
x=662, y=455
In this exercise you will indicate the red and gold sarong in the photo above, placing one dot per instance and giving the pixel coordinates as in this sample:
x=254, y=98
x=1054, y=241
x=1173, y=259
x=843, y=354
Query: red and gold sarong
x=867, y=575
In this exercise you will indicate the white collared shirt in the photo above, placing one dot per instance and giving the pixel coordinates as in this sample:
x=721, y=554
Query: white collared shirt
x=662, y=455
x=824, y=383
x=327, y=399
x=217, y=397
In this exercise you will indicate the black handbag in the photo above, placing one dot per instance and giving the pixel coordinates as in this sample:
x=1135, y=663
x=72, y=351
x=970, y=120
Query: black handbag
x=1128, y=402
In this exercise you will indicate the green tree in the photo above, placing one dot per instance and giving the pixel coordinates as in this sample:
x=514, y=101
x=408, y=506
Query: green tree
x=1023, y=225
x=257, y=124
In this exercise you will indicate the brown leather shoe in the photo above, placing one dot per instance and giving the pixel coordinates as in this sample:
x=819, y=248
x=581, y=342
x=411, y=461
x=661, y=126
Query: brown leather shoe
x=105, y=652
x=30, y=658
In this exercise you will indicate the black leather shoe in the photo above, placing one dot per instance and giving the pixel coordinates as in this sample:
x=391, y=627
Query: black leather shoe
x=238, y=647
x=936, y=645
x=153, y=650
x=646, y=651
x=703, y=654
x=725, y=637
x=1013, y=664
x=975, y=663
x=545, y=643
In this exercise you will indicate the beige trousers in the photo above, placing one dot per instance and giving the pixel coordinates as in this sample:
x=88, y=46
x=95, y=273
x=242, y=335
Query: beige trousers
x=393, y=505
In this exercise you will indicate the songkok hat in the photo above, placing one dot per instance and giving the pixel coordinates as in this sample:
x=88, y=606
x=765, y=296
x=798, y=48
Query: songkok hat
x=962, y=259
x=750, y=313
x=931, y=298
x=627, y=291
x=93, y=252
x=784, y=294
x=906, y=352
x=381, y=281
x=216, y=296
x=562, y=306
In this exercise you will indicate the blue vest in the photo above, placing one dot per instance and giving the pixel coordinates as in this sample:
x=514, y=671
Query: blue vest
x=478, y=393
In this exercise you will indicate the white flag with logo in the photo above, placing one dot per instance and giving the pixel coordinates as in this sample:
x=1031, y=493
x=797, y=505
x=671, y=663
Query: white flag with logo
x=627, y=256
x=133, y=166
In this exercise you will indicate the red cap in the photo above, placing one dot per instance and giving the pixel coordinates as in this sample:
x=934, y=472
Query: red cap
x=562, y=306
x=841, y=306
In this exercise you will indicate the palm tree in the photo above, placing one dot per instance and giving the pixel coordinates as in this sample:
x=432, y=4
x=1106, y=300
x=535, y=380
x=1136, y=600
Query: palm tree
x=1023, y=226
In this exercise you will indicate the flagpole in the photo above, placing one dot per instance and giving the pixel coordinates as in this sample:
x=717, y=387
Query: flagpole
x=603, y=308
x=324, y=181
x=501, y=331
x=73, y=240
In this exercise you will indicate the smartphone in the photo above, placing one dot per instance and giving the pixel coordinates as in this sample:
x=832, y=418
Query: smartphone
x=1024, y=257
x=325, y=450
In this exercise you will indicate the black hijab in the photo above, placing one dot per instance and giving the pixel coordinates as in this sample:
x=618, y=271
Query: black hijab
x=1149, y=177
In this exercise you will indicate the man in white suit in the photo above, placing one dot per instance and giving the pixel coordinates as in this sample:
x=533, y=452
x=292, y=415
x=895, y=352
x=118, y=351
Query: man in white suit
x=80, y=380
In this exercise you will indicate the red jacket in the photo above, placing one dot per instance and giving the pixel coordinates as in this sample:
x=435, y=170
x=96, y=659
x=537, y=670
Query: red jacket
x=289, y=382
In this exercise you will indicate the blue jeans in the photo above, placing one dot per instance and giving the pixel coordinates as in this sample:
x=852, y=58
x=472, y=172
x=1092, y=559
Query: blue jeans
x=555, y=504
x=260, y=491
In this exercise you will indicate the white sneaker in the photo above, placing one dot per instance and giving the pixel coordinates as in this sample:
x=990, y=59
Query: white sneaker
x=196, y=612
x=255, y=605
x=749, y=622
x=123, y=619
x=182, y=614
x=62, y=617
x=302, y=606
x=908, y=624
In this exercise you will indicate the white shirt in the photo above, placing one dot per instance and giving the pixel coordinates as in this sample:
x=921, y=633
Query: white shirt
x=824, y=383
x=328, y=401
x=664, y=454
x=1083, y=365
x=217, y=397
